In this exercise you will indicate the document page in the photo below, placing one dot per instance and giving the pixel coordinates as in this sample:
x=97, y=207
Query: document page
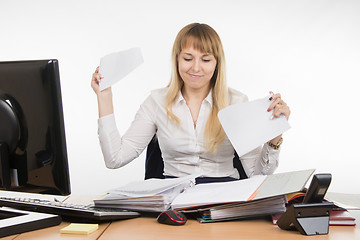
x=249, y=125
x=148, y=195
x=284, y=183
x=214, y=193
x=152, y=187
x=115, y=66
x=350, y=201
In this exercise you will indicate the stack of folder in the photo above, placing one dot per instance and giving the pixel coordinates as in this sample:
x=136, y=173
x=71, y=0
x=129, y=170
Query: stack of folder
x=232, y=211
x=152, y=195
x=337, y=218
x=258, y=195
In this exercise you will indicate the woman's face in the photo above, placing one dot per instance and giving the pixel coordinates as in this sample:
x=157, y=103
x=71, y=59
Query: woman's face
x=196, y=68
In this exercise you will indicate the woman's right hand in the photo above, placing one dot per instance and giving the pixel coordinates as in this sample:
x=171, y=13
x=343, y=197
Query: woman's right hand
x=104, y=97
x=95, y=80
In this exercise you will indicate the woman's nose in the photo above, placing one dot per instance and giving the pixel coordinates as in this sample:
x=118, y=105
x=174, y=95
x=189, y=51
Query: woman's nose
x=196, y=65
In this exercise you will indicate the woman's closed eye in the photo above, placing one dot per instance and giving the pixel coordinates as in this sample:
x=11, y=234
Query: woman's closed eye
x=190, y=59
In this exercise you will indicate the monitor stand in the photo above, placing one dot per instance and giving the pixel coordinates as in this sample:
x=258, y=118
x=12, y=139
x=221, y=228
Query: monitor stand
x=5, y=181
x=13, y=221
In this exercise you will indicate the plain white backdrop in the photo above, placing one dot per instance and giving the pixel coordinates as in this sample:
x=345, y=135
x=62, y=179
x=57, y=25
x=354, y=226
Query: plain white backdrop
x=306, y=50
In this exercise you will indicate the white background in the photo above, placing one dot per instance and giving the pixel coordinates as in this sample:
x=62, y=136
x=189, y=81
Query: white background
x=309, y=51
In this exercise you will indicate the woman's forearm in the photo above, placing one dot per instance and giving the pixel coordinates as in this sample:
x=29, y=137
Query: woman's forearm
x=105, y=103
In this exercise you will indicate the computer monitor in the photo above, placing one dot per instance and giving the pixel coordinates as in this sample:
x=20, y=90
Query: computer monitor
x=33, y=156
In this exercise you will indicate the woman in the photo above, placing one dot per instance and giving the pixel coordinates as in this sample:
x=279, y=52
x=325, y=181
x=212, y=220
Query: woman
x=184, y=116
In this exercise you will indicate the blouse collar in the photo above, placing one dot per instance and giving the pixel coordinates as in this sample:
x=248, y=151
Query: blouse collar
x=208, y=98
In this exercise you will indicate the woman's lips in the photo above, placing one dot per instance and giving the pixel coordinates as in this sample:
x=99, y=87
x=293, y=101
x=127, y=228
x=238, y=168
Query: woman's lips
x=195, y=75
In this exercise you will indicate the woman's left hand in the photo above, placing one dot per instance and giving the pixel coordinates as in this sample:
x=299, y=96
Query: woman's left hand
x=279, y=107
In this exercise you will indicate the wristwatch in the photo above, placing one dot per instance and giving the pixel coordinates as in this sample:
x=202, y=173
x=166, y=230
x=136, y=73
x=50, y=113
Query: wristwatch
x=275, y=146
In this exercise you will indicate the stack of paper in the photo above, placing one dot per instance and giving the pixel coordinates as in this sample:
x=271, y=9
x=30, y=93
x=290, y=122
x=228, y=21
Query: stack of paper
x=80, y=228
x=226, y=212
x=153, y=195
x=341, y=218
x=259, y=195
x=337, y=218
x=349, y=201
x=257, y=187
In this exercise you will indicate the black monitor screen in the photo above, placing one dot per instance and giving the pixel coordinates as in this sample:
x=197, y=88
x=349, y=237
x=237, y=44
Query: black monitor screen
x=32, y=136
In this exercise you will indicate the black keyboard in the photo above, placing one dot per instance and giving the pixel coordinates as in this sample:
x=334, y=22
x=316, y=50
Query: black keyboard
x=72, y=211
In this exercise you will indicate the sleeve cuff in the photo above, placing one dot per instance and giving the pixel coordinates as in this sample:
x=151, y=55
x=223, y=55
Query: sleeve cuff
x=107, y=123
x=270, y=149
x=269, y=159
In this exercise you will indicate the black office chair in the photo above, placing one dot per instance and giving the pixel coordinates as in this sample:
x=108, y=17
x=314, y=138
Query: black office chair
x=154, y=164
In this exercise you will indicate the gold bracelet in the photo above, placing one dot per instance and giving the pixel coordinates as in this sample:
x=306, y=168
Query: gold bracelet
x=275, y=146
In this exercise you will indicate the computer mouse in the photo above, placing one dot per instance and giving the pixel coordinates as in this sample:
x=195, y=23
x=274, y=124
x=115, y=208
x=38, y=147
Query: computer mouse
x=172, y=217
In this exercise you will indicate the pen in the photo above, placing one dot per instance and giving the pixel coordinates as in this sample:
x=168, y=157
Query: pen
x=271, y=96
x=270, y=99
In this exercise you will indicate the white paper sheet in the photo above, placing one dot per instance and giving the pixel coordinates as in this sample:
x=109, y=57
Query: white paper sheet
x=115, y=66
x=152, y=187
x=215, y=193
x=248, y=125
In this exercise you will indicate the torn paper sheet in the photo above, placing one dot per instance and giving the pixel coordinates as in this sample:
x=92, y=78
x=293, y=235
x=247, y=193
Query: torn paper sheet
x=116, y=66
x=249, y=125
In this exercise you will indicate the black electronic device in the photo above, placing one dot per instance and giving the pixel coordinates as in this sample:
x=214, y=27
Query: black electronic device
x=318, y=188
x=73, y=212
x=308, y=219
x=33, y=155
x=14, y=221
x=172, y=217
x=312, y=216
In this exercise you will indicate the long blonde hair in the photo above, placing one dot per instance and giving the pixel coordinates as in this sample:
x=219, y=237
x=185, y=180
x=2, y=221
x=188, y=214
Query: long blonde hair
x=206, y=40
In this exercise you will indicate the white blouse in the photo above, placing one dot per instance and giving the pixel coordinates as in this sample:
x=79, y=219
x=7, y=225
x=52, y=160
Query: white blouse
x=182, y=146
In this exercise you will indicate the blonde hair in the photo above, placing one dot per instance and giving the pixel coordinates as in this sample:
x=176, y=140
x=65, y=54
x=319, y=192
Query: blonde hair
x=204, y=39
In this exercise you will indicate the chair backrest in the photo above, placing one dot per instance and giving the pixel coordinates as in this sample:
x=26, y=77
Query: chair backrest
x=154, y=164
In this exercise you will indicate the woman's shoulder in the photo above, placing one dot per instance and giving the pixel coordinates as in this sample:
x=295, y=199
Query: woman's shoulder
x=155, y=100
x=158, y=95
x=236, y=96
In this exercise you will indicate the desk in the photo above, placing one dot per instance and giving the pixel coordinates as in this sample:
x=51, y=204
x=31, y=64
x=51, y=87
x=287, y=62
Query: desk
x=147, y=228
